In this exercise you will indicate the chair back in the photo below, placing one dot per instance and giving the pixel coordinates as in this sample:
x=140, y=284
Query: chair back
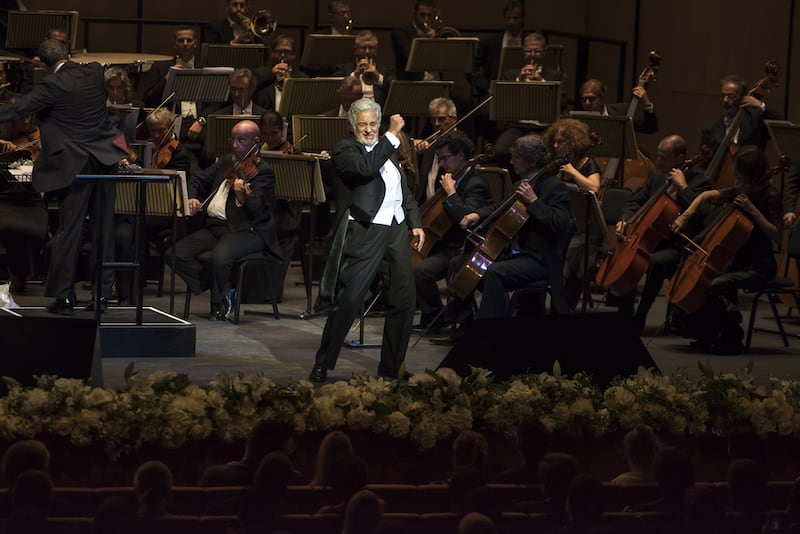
x=498, y=180
x=613, y=203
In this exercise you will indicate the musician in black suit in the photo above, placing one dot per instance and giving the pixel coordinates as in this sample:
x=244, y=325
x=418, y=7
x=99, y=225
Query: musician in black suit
x=752, y=130
x=443, y=116
x=465, y=192
x=239, y=219
x=185, y=45
x=269, y=80
x=77, y=138
x=685, y=183
x=534, y=70
x=538, y=251
x=376, y=78
x=593, y=98
x=375, y=211
x=341, y=18
x=402, y=37
x=486, y=63
x=233, y=29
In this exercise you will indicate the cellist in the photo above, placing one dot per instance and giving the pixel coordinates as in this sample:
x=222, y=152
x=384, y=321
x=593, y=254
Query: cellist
x=683, y=184
x=465, y=191
x=716, y=327
x=536, y=252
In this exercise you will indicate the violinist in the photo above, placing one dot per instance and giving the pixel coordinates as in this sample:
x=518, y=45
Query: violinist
x=685, y=183
x=716, y=327
x=168, y=153
x=288, y=213
x=443, y=116
x=537, y=251
x=237, y=196
x=465, y=192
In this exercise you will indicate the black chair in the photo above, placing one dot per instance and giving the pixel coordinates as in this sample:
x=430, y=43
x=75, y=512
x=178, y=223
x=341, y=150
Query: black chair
x=239, y=275
x=773, y=289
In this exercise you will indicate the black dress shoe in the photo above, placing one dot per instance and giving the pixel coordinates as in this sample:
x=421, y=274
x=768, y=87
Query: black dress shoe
x=318, y=374
x=61, y=306
x=103, y=305
x=446, y=341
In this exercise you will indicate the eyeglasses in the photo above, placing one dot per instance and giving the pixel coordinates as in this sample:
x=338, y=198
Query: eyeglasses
x=590, y=98
x=534, y=51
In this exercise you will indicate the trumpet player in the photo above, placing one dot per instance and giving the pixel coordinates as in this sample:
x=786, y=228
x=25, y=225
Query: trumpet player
x=402, y=37
x=270, y=79
x=233, y=29
x=341, y=18
x=375, y=78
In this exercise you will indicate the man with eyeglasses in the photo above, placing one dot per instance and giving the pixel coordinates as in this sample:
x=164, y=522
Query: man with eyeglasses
x=752, y=130
x=375, y=213
x=237, y=196
x=341, y=18
x=376, y=78
x=443, y=115
x=464, y=191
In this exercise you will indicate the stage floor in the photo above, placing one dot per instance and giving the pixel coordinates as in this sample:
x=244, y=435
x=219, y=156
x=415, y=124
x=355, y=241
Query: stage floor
x=284, y=350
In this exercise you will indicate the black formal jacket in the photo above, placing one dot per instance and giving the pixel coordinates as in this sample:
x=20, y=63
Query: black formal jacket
x=752, y=131
x=381, y=90
x=472, y=193
x=71, y=109
x=258, y=210
x=401, y=46
x=217, y=32
x=547, y=232
x=486, y=63
x=645, y=122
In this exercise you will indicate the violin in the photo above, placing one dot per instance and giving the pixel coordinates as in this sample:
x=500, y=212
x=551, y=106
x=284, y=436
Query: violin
x=246, y=168
x=27, y=146
x=164, y=153
x=503, y=224
x=688, y=289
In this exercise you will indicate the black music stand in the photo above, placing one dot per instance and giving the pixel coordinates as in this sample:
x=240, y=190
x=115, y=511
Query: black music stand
x=27, y=29
x=617, y=139
x=218, y=132
x=517, y=101
x=165, y=199
x=786, y=136
x=209, y=84
x=309, y=95
x=410, y=99
x=322, y=50
x=319, y=134
x=589, y=220
x=440, y=55
x=228, y=55
x=297, y=177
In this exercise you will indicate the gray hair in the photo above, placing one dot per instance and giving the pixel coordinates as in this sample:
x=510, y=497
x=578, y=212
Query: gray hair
x=439, y=102
x=530, y=148
x=51, y=51
x=360, y=106
x=118, y=73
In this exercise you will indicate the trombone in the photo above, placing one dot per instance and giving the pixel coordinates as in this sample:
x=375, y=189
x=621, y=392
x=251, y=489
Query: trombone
x=261, y=24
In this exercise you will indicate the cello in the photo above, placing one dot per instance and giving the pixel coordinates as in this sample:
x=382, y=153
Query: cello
x=634, y=171
x=621, y=271
x=720, y=171
x=688, y=289
x=506, y=222
x=435, y=220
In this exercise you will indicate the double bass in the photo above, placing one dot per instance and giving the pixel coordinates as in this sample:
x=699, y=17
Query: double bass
x=688, y=289
x=621, y=271
x=634, y=171
x=720, y=170
x=503, y=224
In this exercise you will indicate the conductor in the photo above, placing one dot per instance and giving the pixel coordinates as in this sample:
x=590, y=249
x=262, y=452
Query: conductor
x=376, y=210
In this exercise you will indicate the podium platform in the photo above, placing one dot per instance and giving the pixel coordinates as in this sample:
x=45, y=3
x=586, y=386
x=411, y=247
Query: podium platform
x=160, y=335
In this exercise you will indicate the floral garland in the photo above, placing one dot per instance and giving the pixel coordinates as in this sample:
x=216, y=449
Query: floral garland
x=166, y=409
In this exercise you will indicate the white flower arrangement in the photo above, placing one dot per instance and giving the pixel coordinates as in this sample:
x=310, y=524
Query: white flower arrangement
x=167, y=410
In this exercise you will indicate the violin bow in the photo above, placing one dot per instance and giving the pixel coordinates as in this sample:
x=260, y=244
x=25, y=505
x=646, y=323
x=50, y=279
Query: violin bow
x=161, y=105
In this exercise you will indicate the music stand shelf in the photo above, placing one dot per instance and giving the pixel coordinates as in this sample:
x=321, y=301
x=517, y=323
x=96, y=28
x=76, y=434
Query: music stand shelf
x=323, y=50
x=516, y=101
x=209, y=84
x=410, y=98
x=235, y=56
x=309, y=96
x=441, y=55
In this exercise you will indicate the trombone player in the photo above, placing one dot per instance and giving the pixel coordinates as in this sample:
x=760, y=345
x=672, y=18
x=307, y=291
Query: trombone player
x=375, y=78
x=235, y=28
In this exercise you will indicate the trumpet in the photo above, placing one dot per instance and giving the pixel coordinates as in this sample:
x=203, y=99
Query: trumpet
x=280, y=78
x=370, y=76
x=261, y=24
x=535, y=74
x=348, y=26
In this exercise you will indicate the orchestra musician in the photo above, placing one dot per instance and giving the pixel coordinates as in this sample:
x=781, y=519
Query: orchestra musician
x=686, y=184
x=288, y=213
x=593, y=98
x=376, y=78
x=717, y=326
x=270, y=80
x=443, y=116
x=570, y=139
x=232, y=29
x=375, y=211
x=23, y=214
x=536, y=253
x=77, y=138
x=533, y=48
x=341, y=18
x=465, y=191
x=420, y=26
x=237, y=196
x=168, y=153
x=486, y=64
